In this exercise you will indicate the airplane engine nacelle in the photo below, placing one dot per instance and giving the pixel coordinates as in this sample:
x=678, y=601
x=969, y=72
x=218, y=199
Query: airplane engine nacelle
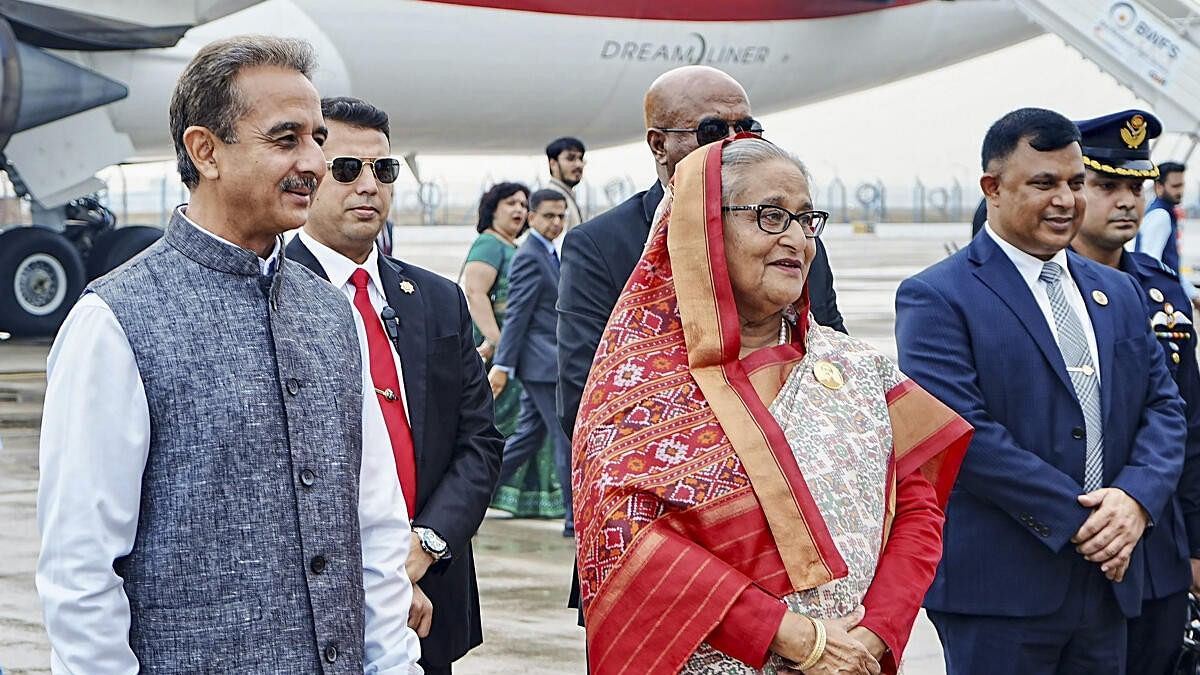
x=10, y=83
x=37, y=87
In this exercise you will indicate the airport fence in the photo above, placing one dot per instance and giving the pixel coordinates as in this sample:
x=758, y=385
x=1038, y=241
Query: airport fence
x=444, y=202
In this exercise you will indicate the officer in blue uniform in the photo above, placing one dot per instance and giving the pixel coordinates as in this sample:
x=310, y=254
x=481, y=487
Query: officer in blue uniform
x=1116, y=155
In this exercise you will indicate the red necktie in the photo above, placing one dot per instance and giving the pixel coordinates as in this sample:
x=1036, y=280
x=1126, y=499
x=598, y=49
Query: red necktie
x=387, y=388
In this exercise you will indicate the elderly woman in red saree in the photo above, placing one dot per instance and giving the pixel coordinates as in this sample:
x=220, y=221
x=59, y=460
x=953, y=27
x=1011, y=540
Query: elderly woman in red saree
x=755, y=493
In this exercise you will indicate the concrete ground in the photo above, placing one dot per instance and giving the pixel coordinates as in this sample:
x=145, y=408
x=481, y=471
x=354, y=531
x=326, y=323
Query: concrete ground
x=524, y=565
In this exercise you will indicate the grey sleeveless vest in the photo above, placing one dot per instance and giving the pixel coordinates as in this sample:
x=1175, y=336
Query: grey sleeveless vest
x=247, y=557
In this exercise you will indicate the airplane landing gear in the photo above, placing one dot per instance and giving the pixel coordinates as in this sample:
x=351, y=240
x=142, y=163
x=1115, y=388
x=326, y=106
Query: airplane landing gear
x=41, y=277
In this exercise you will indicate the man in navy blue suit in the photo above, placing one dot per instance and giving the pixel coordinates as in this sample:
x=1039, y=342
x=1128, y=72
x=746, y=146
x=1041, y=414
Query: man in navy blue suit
x=1116, y=152
x=529, y=346
x=1079, y=429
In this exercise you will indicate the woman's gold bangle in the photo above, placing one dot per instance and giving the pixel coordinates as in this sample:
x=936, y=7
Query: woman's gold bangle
x=818, y=649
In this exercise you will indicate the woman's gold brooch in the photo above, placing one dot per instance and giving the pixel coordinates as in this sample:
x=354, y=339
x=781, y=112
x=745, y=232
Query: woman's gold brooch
x=829, y=374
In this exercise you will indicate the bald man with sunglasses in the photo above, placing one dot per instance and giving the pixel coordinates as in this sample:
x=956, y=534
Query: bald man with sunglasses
x=427, y=376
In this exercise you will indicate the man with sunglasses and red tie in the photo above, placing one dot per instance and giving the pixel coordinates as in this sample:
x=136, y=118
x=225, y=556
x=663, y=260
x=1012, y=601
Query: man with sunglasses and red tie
x=685, y=108
x=427, y=376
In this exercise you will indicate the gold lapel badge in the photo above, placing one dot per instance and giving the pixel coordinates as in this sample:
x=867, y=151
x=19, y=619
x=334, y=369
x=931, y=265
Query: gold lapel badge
x=407, y=287
x=1156, y=295
x=829, y=374
x=1134, y=131
x=1100, y=298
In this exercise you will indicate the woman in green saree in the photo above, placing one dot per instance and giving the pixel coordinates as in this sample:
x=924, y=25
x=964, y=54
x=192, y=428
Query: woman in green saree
x=533, y=492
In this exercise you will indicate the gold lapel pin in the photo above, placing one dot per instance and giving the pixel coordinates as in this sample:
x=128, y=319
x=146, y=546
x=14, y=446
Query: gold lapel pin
x=1100, y=298
x=407, y=287
x=1156, y=295
x=829, y=374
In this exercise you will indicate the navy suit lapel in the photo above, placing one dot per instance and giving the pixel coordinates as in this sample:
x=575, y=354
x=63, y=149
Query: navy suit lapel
x=544, y=255
x=411, y=344
x=1102, y=322
x=998, y=273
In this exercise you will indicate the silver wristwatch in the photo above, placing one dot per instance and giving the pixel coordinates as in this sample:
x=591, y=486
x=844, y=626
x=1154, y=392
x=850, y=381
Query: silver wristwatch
x=431, y=543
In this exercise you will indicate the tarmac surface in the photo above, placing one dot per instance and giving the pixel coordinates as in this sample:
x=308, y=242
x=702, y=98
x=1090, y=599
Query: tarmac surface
x=524, y=566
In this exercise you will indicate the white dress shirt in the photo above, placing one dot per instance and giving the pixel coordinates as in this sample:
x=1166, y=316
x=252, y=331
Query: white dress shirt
x=1030, y=269
x=94, y=445
x=339, y=268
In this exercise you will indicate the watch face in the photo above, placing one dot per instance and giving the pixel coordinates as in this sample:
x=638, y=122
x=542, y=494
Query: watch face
x=433, y=542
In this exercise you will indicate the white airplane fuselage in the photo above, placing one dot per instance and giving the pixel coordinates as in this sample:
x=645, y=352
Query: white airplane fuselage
x=457, y=78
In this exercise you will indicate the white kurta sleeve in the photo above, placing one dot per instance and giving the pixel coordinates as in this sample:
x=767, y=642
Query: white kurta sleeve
x=94, y=443
x=392, y=648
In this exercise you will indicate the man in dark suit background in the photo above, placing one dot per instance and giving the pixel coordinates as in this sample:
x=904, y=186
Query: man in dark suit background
x=529, y=348
x=426, y=373
x=1041, y=563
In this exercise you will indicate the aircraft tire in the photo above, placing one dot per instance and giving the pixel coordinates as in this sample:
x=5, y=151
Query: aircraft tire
x=41, y=277
x=115, y=247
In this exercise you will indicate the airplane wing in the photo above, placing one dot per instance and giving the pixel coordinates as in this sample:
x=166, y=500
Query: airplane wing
x=108, y=21
x=40, y=117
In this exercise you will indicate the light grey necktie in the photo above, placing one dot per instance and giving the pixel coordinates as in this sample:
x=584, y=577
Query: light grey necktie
x=1072, y=342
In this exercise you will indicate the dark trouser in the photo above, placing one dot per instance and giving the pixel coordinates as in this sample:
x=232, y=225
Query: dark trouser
x=539, y=417
x=1086, y=636
x=1156, y=636
x=436, y=670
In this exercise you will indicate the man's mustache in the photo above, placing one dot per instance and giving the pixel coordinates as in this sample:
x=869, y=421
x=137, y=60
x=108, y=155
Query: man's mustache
x=298, y=183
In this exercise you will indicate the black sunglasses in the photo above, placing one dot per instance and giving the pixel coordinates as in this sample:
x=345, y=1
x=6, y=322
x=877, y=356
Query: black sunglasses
x=713, y=129
x=776, y=219
x=346, y=169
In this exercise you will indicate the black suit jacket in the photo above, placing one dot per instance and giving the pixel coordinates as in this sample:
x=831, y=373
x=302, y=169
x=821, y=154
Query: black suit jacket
x=455, y=440
x=597, y=259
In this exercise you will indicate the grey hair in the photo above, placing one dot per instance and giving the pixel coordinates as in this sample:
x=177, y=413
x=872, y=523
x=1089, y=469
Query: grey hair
x=205, y=95
x=747, y=152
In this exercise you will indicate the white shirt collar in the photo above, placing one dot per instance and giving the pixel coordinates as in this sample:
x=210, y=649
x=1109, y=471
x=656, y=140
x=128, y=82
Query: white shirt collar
x=264, y=264
x=1028, y=266
x=338, y=267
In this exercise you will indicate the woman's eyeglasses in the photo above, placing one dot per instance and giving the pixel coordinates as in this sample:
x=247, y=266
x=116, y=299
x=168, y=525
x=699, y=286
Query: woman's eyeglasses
x=347, y=169
x=776, y=219
x=713, y=129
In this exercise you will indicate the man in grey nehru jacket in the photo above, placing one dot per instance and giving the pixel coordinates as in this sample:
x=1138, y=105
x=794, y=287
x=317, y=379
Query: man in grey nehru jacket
x=217, y=494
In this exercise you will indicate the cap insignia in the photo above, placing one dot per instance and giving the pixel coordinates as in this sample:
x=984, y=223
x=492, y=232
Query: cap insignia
x=1134, y=131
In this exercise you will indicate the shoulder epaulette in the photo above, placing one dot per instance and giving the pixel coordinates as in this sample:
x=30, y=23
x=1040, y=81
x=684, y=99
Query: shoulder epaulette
x=1167, y=268
x=1146, y=260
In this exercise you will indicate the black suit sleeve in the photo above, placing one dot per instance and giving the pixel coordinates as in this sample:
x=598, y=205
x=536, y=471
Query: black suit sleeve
x=457, y=506
x=524, y=285
x=585, y=300
x=821, y=293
